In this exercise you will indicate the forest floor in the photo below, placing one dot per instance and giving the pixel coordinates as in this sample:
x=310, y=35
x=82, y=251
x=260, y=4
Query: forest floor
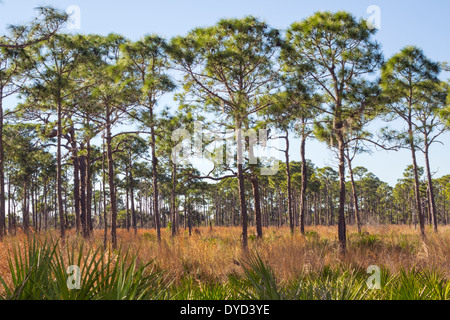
x=211, y=255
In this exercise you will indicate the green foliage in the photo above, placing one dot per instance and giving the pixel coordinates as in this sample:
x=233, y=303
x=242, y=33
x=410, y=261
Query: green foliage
x=258, y=283
x=48, y=21
x=312, y=234
x=418, y=285
x=234, y=53
x=149, y=236
x=364, y=240
x=344, y=282
x=39, y=272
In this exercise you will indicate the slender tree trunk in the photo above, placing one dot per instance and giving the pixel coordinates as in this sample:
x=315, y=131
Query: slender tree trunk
x=45, y=206
x=355, y=197
x=133, y=210
x=14, y=216
x=127, y=198
x=105, y=217
x=341, y=222
x=55, y=205
x=304, y=182
x=241, y=184
x=185, y=212
x=10, y=218
x=33, y=211
x=59, y=174
x=173, y=198
x=2, y=173
x=25, y=213
x=66, y=210
x=142, y=212
x=88, y=189
x=83, y=209
x=155, y=176
x=288, y=181
x=430, y=187
x=416, y=183
x=97, y=205
x=112, y=185
x=39, y=211
x=255, y=188
x=189, y=220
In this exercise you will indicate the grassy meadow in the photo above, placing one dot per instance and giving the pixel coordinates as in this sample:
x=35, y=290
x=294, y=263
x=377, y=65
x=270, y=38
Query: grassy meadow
x=210, y=265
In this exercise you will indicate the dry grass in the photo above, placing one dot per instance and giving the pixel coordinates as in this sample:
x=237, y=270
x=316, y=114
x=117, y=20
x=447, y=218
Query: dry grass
x=211, y=255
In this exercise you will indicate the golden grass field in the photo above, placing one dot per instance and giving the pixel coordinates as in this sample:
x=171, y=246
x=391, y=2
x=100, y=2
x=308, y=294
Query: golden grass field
x=212, y=254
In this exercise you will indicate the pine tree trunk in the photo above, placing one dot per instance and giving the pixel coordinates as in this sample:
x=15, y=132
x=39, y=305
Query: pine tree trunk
x=241, y=185
x=2, y=173
x=59, y=175
x=255, y=188
x=304, y=184
x=10, y=218
x=112, y=186
x=127, y=192
x=416, y=183
x=33, y=211
x=89, y=189
x=342, y=234
x=288, y=182
x=155, y=177
x=45, y=206
x=105, y=217
x=173, y=199
x=83, y=210
x=133, y=210
x=430, y=188
x=355, y=197
x=25, y=213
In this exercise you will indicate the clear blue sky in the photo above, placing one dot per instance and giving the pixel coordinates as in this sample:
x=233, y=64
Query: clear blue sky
x=422, y=23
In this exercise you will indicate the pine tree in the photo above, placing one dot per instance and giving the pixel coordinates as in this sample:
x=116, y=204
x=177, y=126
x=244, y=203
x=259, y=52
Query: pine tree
x=336, y=51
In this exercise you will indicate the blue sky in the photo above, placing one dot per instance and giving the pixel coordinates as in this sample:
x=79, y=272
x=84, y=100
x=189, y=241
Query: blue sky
x=422, y=23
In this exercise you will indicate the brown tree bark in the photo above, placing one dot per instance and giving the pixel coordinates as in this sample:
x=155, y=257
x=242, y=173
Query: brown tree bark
x=59, y=174
x=133, y=210
x=342, y=233
x=10, y=217
x=25, y=213
x=304, y=183
x=241, y=184
x=112, y=186
x=430, y=188
x=256, y=195
x=155, y=177
x=45, y=205
x=2, y=173
x=173, y=199
x=83, y=208
x=88, y=190
x=76, y=192
x=288, y=182
x=416, y=183
x=355, y=197
x=127, y=198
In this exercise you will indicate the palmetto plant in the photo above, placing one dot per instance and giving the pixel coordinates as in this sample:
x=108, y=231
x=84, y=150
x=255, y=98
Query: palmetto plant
x=337, y=283
x=258, y=282
x=39, y=272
